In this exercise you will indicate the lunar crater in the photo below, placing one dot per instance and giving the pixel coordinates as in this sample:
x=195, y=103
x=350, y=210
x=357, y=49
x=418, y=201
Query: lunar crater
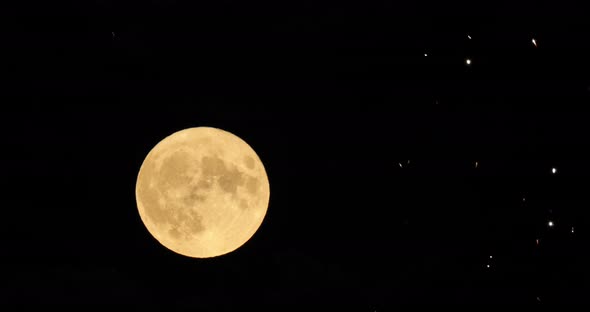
x=174, y=169
x=227, y=176
x=249, y=162
x=252, y=185
x=184, y=221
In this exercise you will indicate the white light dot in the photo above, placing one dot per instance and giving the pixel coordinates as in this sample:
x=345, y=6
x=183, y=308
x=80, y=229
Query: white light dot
x=534, y=42
x=523, y=199
x=491, y=257
x=468, y=61
x=572, y=229
x=550, y=223
x=400, y=165
x=488, y=265
x=554, y=170
x=425, y=54
x=468, y=36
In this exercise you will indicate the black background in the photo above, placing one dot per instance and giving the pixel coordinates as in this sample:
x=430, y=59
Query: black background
x=333, y=96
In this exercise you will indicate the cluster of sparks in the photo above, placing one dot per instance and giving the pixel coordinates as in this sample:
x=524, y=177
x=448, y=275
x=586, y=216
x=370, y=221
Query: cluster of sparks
x=550, y=223
x=469, y=61
x=489, y=264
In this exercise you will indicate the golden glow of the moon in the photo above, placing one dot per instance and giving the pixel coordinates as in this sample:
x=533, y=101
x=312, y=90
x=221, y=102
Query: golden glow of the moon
x=202, y=192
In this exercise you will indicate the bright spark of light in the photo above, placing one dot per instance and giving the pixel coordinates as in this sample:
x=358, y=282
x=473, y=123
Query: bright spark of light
x=468, y=36
x=554, y=170
x=425, y=54
x=534, y=42
x=550, y=223
x=468, y=61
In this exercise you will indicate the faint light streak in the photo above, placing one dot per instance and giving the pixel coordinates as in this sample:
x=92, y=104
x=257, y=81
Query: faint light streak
x=534, y=42
x=468, y=36
x=400, y=165
x=572, y=229
x=537, y=241
x=476, y=164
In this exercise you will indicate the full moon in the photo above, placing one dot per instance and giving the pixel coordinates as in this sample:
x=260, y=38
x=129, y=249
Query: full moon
x=202, y=192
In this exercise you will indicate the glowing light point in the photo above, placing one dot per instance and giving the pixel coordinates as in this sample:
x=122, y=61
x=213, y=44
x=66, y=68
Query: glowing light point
x=550, y=223
x=554, y=170
x=468, y=61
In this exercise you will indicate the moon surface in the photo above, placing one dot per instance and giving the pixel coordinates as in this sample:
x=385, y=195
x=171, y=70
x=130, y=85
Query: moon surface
x=202, y=192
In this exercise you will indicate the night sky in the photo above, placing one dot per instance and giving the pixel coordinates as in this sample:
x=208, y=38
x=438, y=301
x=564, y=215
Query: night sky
x=410, y=148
